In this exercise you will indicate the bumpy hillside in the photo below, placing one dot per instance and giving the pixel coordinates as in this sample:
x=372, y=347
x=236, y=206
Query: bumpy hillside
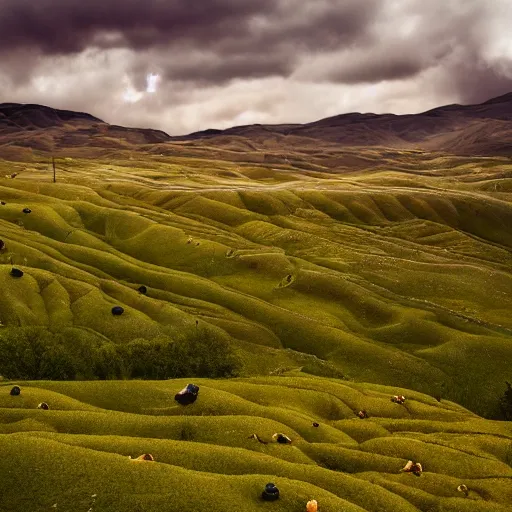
x=399, y=276
x=76, y=455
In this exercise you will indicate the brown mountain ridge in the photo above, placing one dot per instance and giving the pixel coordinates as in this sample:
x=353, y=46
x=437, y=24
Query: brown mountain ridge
x=470, y=130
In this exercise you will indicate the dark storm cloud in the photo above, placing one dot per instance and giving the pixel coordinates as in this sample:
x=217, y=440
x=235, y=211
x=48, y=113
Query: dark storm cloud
x=68, y=26
x=406, y=39
x=473, y=80
x=374, y=68
x=225, y=62
x=248, y=38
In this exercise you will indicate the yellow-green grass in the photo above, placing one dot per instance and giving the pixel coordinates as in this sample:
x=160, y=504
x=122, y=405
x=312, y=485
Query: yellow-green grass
x=76, y=454
x=398, y=276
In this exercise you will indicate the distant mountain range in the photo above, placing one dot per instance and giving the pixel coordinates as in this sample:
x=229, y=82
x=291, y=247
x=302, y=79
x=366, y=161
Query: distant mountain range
x=483, y=129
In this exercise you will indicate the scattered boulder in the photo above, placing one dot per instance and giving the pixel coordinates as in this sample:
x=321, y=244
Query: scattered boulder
x=15, y=391
x=27, y=210
x=258, y=438
x=270, y=493
x=281, y=438
x=463, y=489
x=312, y=506
x=315, y=424
x=187, y=395
x=398, y=399
x=3, y=203
x=2, y=245
x=413, y=467
x=44, y=406
x=16, y=272
x=144, y=456
x=117, y=310
x=362, y=414
x=142, y=289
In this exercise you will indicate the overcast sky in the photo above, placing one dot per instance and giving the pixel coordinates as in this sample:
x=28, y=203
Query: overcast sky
x=187, y=65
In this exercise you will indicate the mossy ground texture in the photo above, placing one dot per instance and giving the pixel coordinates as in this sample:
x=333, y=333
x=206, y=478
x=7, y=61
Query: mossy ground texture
x=76, y=454
x=398, y=276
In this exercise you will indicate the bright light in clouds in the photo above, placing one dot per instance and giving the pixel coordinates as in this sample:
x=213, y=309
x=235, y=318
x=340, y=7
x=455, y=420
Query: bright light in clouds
x=130, y=94
x=152, y=80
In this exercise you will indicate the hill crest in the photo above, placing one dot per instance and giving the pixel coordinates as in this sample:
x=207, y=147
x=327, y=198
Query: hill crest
x=483, y=129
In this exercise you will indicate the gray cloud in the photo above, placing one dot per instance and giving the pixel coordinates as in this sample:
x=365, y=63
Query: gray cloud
x=69, y=26
x=222, y=62
x=239, y=39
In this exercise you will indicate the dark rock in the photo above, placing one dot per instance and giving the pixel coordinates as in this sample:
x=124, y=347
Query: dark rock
x=15, y=391
x=16, y=272
x=281, y=438
x=143, y=289
x=270, y=493
x=117, y=310
x=27, y=210
x=187, y=395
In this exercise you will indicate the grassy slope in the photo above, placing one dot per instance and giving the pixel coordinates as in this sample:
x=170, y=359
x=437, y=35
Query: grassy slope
x=206, y=461
x=400, y=275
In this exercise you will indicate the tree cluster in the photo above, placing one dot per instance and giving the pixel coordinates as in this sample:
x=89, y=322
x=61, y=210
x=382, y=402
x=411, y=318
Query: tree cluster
x=34, y=353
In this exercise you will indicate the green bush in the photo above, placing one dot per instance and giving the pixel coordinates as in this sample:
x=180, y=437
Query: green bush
x=145, y=359
x=109, y=362
x=206, y=354
x=32, y=353
x=35, y=353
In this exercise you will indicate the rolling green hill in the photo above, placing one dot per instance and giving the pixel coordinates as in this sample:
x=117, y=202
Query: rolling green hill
x=326, y=292
x=75, y=456
x=398, y=276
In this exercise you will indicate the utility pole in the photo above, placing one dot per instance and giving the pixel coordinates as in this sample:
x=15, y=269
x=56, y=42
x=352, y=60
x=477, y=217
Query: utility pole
x=54, y=176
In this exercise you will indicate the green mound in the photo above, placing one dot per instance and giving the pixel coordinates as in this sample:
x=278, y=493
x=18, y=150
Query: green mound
x=399, y=276
x=78, y=453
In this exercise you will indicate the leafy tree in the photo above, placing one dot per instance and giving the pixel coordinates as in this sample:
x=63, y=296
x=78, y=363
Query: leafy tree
x=204, y=355
x=207, y=354
x=31, y=353
x=148, y=359
x=36, y=353
x=109, y=363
